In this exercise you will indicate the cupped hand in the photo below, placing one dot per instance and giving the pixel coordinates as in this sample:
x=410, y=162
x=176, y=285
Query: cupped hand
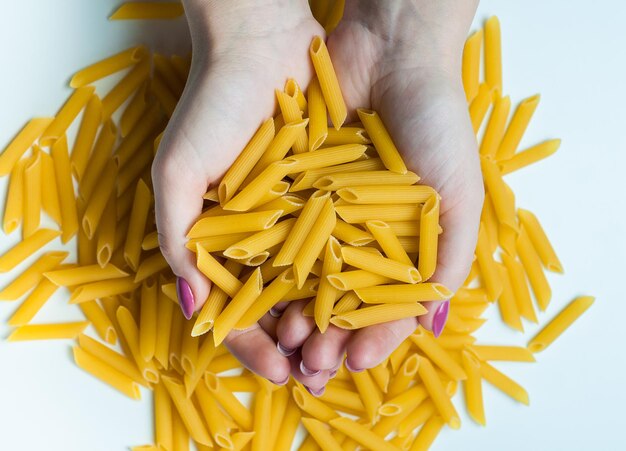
x=241, y=53
x=400, y=67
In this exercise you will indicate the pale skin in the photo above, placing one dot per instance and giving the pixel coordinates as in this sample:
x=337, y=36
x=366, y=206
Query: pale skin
x=399, y=58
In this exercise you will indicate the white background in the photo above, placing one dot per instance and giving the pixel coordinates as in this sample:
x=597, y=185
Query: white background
x=571, y=52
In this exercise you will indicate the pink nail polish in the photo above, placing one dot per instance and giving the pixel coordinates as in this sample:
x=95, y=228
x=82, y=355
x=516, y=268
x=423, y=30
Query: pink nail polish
x=307, y=372
x=275, y=313
x=316, y=393
x=353, y=370
x=185, y=297
x=284, y=350
x=332, y=374
x=440, y=318
x=283, y=382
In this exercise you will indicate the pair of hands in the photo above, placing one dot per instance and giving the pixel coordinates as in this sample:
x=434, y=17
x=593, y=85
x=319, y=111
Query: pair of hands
x=401, y=59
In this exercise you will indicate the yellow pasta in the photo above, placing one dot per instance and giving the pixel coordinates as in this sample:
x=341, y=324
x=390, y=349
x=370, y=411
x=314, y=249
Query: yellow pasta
x=417, y=417
x=84, y=274
x=517, y=277
x=540, y=241
x=377, y=132
x=292, y=113
x=429, y=237
x=32, y=275
x=47, y=331
x=377, y=314
x=65, y=189
x=368, y=391
x=488, y=268
x=135, y=110
x=103, y=288
x=136, y=227
x=162, y=417
x=493, y=54
x=14, y=256
x=346, y=135
x=495, y=127
x=403, y=377
x=147, y=10
x=326, y=293
x=361, y=434
x=148, y=319
x=427, y=434
x=262, y=406
x=151, y=265
x=506, y=303
x=307, y=179
x=508, y=353
x=64, y=117
x=470, y=71
x=125, y=88
x=105, y=373
x=33, y=303
x=108, y=356
x=313, y=244
x=386, y=194
x=229, y=402
x=479, y=106
x=529, y=156
x=321, y=434
x=14, y=206
x=147, y=126
x=390, y=182
x=318, y=122
x=49, y=195
x=130, y=333
x=108, y=66
x=217, y=273
x=98, y=200
x=32, y=195
x=133, y=170
x=380, y=265
x=321, y=158
x=92, y=118
x=438, y=394
x=216, y=422
x=562, y=321
x=352, y=280
x=517, y=127
x=389, y=213
x=260, y=241
x=437, y=355
x=246, y=161
x=350, y=234
x=100, y=155
x=32, y=131
x=328, y=82
x=503, y=383
x=532, y=266
x=401, y=293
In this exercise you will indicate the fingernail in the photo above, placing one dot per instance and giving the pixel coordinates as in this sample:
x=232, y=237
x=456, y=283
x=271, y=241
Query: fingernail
x=440, y=318
x=283, y=382
x=283, y=350
x=332, y=374
x=185, y=297
x=353, y=370
x=307, y=372
x=275, y=313
x=315, y=393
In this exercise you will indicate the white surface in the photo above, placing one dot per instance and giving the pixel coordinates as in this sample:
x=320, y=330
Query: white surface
x=570, y=52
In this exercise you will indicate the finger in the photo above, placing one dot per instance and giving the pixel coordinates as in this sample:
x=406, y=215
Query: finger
x=371, y=345
x=314, y=382
x=294, y=328
x=268, y=323
x=324, y=351
x=256, y=350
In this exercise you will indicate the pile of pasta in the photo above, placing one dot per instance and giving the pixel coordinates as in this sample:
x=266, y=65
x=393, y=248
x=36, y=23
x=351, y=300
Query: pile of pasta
x=321, y=223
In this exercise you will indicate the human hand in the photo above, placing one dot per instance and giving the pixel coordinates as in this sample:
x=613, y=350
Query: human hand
x=402, y=59
x=241, y=53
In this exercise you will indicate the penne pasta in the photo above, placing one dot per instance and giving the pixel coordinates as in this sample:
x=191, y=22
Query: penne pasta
x=374, y=183
x=22, y=250
x=386, y=267
x=437, y=355
x=228, y=401
x=236, y=223
x=307, y=179
x=47, y=331
x=98, y=201
x=113, y=359
x=503, y=383
x=321, y=434
x=148, y=319
x=66, y=115
x=329, y=84
x=148, y=10
x=108, y=66
x=106, y=232
x=352, y=280
x=32, y=195
x=506, y=303
x=163, y=430
x=292, y=113
x=84, y=274
x=493, y=54
x=517, y=127
x=327, y=294
x=318, y=122
x=377, y=314
x=49, y=195
x=32, y=275
x=361, y=434
x=150, y=266
x=214, y=418
x=438, y=394
x=529, y=156
x=540, y=241
x=379, y=135
x=401, y=293
x=480, y=105
x=103, y=288
x=495, y=127
x=346, y=135
x=33, y=303
x=99, y=320
x=130, y=333
x=388, y=213
x=488, y=269
x=125, y=88
x=260, y=241
x=470, y=69
x=91, y=120
x=100, y=156
x=532, y=266
x=217, y=273
x=14, y=206
x=32, y=131
x=138, y=217
x=147, y=126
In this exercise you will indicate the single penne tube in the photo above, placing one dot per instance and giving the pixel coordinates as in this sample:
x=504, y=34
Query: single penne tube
x=477, y=295
x=470, y=309
x=493, y=53
x=321, y=434
x=350, y=234
x=136, y=108
x=402, y=293
x=64, y=117
x=366, y=180
x=254, y=191
x=22, y=141
x=212, y=194
x=382, y=141
x=361, y=434
x=147, y=10
x=80, y=275
x=150, y=266
x=321, y=158
x=506, y=302
x=49, y=195
x=131, y=171
x=22, y=250
x=388, y=241
x=438, y=394
x=307, y=179
x=387, y=194
x=314, y=243
x=102, y=288
x=269, y=297
x=540, y=241
x=261, y=419
x=136, y=227
x=490, y=219
x=213, y=416
x=416, y=418
x=164, y=95
x=348, y=302
x=380, y=265
x=519, y=285
x=217, y=273
x=504, y=207
x=83, y=144
x=517, y=126
x=105, y=373
x=377, y=314
x=176, y=339
x=480, y=105
x=292, y=89
x=238, y=305
x=343, y=399
x=33, y=303
x=100, y=156
x=313, y=406
x=369, y=393
x=428, y=433
x=32, y=195
x=98, y=318
x=403, y=378
x=150, y=241
x=14, y=205
x=361, y=213
x=398, y=355
x=278, y=190
x=105, y=241
x=404, y=402
x=246, y=161
x=288, y=203
x=228, y=401
x=180, y=436
x=242, y=383
x=216, y=242
x=223, y=362
x=115, y=360
x=47, y=331
x=32, y=275
x=473, y=388
x=347, y=135
x=560, y=323
x=506, y=239
x=130, y=333
x=470, y=68
x=189, y=349
x=352, y=280
x=503, y=383
x=292, y=113
x=506, y=353
x=301, y=229
x=108, y=66
x=495, y=127
x=163, y=427
x=98, y=200
x=148, y=318
x=438, y=355
x=327, y=294
x=529, y=156
x=147, y=126
x=318, y=120
x=381, y=375
x=260, y=241
x=164, y=67
x=235, y=223
x=125, y=88
x=329, y=84
x=187, y=411
x=533, y=268
x=488, y=269
x=165, y=312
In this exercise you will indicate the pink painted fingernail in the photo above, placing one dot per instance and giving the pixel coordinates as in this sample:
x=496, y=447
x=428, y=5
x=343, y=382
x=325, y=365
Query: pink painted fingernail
x=275, y=313
x=283, y=382
x=332, y=374
x=316, y=393
x=283, y=350
x=353, y=370
x=440, y=318
x=307, y=372
x=185, y=297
